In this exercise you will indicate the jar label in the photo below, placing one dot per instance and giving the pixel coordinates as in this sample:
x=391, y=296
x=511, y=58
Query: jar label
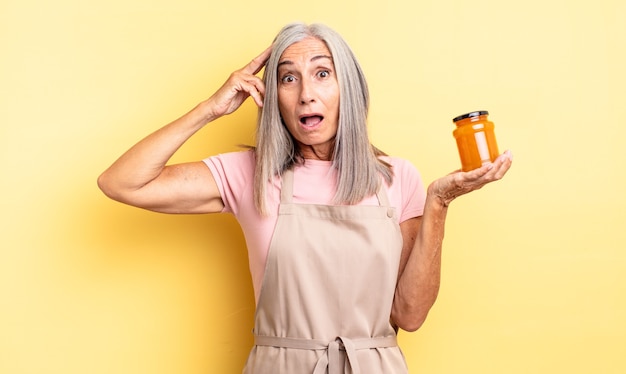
x=483, y=148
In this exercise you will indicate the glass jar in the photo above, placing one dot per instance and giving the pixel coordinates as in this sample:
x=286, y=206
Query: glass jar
x=475, y=139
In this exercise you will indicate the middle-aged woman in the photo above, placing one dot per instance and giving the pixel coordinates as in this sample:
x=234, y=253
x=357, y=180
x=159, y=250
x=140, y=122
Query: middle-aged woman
x=344, y=244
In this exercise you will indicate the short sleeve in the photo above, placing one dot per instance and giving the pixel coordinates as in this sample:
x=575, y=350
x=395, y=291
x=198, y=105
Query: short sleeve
x=233, y=173
x=412, y=189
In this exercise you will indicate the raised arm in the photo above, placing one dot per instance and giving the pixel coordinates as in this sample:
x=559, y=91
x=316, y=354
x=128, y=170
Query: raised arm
x=420, y=266
x=141, y=178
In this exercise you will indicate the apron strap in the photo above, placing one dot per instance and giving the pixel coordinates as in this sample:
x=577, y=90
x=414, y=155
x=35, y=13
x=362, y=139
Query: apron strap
x=286, y=189
x=383, y=200
x=331, y=360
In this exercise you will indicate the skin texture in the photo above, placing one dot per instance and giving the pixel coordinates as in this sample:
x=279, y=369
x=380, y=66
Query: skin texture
x=307, y=89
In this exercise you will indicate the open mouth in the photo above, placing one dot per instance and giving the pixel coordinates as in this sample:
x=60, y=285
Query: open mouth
x=311, y=120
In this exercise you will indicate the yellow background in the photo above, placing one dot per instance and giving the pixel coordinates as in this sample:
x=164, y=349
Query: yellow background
x=534, y=268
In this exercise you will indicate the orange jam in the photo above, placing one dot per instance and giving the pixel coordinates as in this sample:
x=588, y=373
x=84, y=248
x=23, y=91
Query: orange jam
x=475, y=139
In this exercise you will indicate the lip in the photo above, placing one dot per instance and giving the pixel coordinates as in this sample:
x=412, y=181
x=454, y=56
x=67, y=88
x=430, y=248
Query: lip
x=305, y=115
x=303, y=125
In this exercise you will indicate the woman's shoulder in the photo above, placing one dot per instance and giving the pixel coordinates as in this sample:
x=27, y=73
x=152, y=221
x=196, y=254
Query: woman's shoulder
x=233, y=168
x=407, y=186
x=399, y=165
x=244, y=158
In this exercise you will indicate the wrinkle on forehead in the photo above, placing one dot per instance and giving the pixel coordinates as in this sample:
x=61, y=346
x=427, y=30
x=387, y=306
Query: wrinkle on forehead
x=309, y=46
x=314, y=58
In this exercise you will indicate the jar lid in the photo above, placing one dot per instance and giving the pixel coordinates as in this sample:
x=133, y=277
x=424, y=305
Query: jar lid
x=470, y=114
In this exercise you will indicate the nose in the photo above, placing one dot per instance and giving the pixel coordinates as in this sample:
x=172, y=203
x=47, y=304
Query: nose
x=307, y=93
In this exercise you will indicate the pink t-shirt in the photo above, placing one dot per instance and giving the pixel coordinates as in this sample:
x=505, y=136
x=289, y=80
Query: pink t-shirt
x=313, y=183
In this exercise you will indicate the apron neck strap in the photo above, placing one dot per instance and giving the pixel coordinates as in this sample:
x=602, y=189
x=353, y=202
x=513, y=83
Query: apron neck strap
x=286, y=189
x=383, y=200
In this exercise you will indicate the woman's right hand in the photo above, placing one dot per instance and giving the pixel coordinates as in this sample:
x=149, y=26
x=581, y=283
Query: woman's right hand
x=140, y=176
x=241, y=84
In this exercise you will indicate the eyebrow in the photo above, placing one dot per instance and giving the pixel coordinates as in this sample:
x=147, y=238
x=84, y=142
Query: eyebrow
x=314, y=58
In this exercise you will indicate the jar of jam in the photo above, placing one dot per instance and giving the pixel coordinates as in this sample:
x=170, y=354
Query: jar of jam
x=475, y=139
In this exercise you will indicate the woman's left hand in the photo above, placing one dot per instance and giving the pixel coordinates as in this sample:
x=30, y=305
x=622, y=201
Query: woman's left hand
x=459, y=183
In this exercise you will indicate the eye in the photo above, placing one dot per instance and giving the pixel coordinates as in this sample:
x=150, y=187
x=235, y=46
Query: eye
x=323, y=74
x=288, y=78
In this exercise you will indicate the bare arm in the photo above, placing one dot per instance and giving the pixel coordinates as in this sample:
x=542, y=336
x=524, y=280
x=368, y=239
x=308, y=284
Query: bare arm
x=140, y=177
x=420, y=265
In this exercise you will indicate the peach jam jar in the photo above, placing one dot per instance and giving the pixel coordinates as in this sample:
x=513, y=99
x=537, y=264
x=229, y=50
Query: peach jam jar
x=475, y=139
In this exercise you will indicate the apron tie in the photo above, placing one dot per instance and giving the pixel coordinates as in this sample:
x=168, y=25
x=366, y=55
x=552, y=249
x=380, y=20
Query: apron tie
x=332, y=358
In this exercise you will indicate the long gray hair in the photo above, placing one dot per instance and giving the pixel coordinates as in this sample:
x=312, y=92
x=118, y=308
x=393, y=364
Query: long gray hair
x=359, y=169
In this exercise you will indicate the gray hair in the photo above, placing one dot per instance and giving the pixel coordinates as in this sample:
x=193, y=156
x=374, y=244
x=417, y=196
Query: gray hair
x=357, y=162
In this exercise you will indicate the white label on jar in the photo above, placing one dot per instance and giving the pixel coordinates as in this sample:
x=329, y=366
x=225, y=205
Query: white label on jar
x=483, y=148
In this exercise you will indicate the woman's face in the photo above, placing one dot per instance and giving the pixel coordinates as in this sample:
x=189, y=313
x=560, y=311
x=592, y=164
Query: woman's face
x=308, y=97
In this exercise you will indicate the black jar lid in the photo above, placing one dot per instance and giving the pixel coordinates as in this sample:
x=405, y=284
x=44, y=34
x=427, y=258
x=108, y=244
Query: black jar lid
x=470, y=114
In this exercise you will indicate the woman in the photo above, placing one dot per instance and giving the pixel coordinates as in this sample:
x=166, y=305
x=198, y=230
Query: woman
x=344, y=245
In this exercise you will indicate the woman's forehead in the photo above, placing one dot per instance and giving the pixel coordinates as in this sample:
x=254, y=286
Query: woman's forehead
x=309, y=47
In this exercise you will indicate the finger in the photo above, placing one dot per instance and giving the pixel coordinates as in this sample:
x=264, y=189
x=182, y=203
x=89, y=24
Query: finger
x=507, y=155
x=258, y=62
x=257, y=97
x=478, y=173
x=495, y=169
x=506, y=159
x=258, y=84
x=254, y=90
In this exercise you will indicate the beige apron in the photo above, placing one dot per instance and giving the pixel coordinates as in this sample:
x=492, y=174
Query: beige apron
x=326, y=297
